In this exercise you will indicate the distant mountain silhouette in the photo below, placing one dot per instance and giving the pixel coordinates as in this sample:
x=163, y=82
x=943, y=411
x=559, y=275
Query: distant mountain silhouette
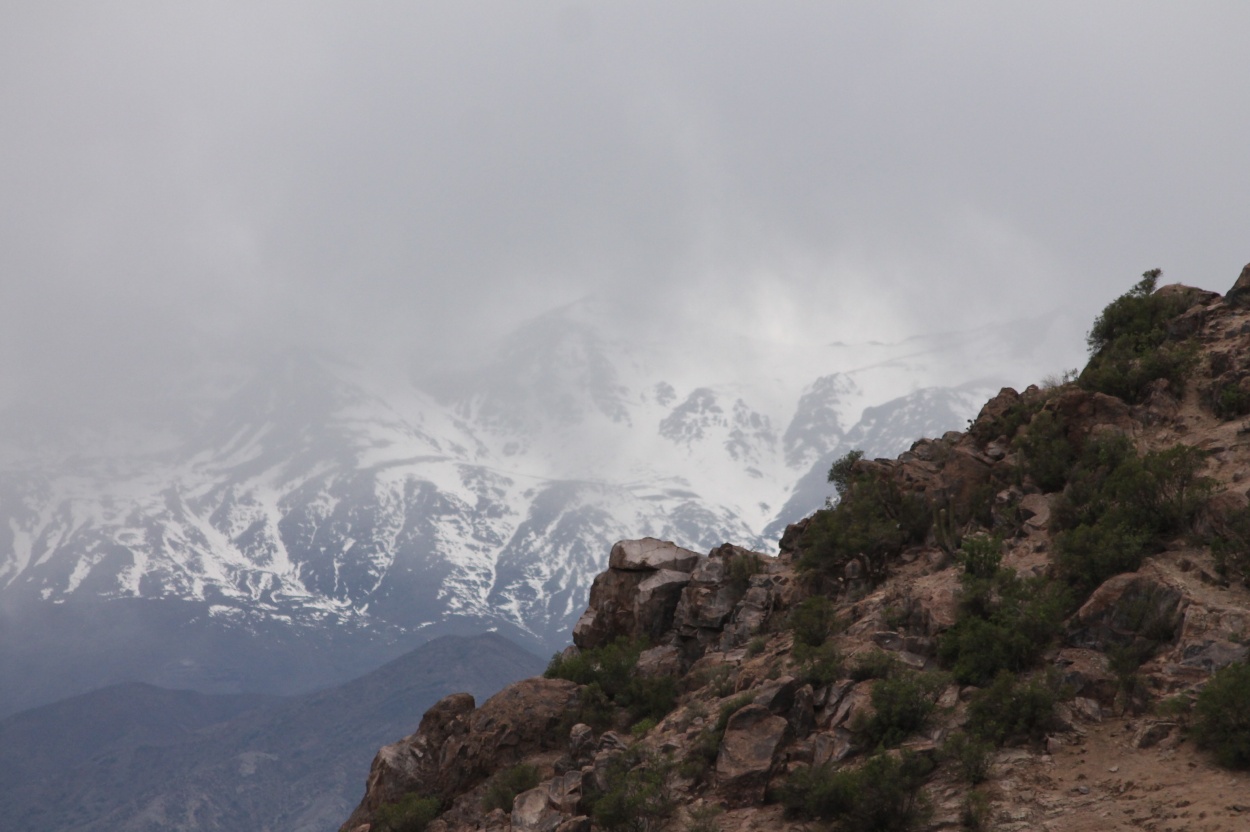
x=137, y=757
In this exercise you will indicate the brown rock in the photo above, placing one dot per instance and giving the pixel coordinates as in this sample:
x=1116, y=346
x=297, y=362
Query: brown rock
x=611, y=609
x=581, y=743
x=1035, y=509
x=1239, y=295
x=565, y=792
x=1125, y=608
x=532, y=812
x=664, y=660
x=457, y=747
x=649, y=554
x=1152, y=734
x=752, y=737
x=631, y=603
x=581, y=823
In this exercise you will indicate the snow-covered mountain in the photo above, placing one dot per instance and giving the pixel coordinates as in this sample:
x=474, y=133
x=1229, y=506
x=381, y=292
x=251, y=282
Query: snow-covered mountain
x=357, y=510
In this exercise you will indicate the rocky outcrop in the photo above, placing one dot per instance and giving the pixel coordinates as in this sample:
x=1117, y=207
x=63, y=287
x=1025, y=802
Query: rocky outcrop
x=457, y=746
x=637, y=595
x=748, y=751
x=754, y=707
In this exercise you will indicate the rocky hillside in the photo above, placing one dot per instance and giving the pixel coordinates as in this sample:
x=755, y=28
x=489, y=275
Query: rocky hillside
x=1039, y=623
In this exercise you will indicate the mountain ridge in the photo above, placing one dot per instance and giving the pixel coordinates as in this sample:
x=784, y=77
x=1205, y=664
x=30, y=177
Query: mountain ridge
x=320, y=495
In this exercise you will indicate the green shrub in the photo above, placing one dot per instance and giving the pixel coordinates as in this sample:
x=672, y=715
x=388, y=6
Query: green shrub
x=639, y=798
x=610, y=666
x=818, y=666
x=740, y=567
x=1089, y=555
x=1004, y=623
x=503, y=788
x=640, y=728
x=1227, y=401
x=970, y=755
x=1009, y=711
x=981, y=556
x=1119, y=507
x=874, y=664
x=902, y=705
x=608, y=673
x=840, y=473
x=813, y=620
x=1128, y=344
x=884, y=793
x=1222, y=716
x=756, y=646
x=703, y=818
x=874, y=520
x=976, y=812
x=1046, y=453
x=1230, y=544
x=702, y=754
x=412, y=813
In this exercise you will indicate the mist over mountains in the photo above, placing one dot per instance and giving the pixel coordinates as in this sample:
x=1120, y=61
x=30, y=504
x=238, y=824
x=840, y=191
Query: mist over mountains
x=317, y=517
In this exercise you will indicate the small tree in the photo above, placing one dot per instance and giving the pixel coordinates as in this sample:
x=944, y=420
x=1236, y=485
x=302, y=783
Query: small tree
x=1222, y=716
x=840, y=471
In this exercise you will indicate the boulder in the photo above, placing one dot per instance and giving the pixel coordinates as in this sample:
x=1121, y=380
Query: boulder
x=1035, y=511
x=564, y=792
x=532, y=812
x=1239, y=295
x=649, y=554
x=656, y=602
x=1126, y=609
x=752, y=737
x=664, y=660
x=995, y=410
x=581, y=743
x=631, y=603
x=777, y=695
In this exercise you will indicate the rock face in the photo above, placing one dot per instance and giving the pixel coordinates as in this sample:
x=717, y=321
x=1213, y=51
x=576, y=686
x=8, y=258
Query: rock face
x=748, y=751
x=755, y=706
x=457, y=746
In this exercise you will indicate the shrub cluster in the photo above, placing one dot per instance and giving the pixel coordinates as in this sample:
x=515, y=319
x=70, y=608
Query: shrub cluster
x=971, y=756
x=1227, y=401
x=873, y=518
x=1119, y=507
x=706, y=745
x=902, y=705
x=503, y=788
x=813, y=620
x=739, y=569
x=1116, y=506
x=884, y=793
x=1230, y=544
x=1010, y=711
x=639, y=798
x=1004, y=622
x=874, y=664
x=412, y=813
x=1222, y=716
x=610, y=680
x=1129, y=346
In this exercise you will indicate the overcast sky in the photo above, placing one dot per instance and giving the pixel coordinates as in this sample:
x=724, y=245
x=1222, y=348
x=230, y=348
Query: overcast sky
x=181, y=178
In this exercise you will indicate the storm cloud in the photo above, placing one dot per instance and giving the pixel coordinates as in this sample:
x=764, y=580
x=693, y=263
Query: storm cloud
x=224, y=179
